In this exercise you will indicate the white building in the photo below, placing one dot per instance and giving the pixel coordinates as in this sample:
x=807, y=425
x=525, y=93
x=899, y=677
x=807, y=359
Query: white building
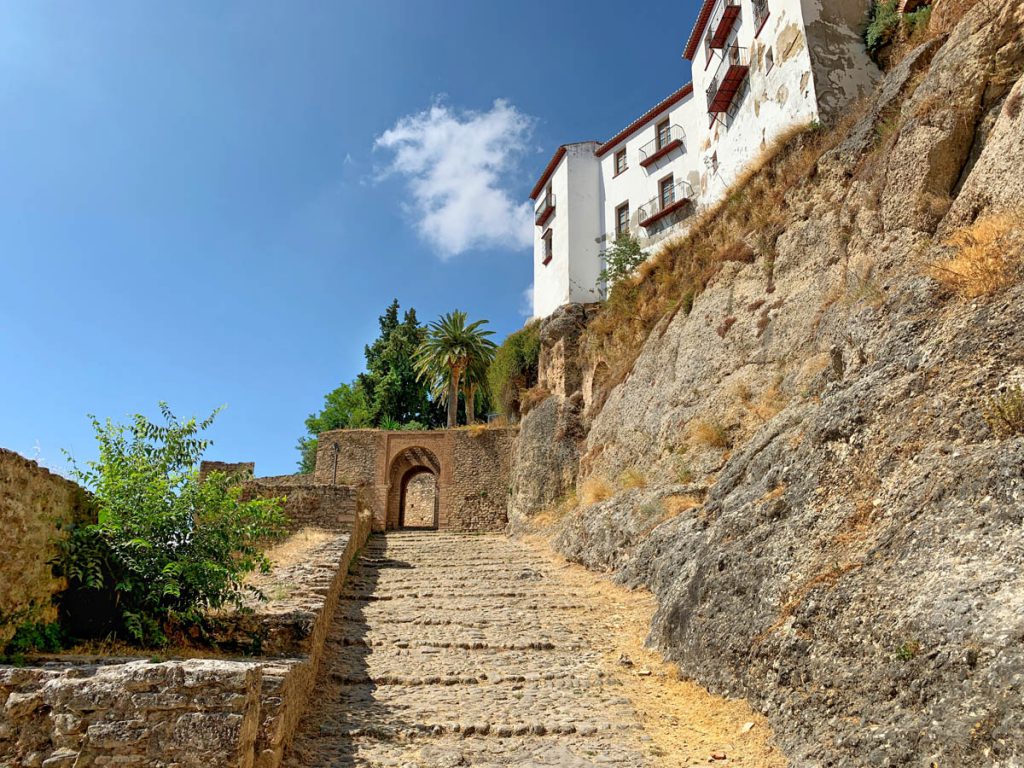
x=759, y=67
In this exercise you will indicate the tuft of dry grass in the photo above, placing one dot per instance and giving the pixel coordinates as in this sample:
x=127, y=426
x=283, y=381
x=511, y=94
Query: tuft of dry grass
x=531, y=398
x=632, y=478
x=1004, y=413
x=986, y=256
x=710, y=433
x=676, y=505
x=596, y=488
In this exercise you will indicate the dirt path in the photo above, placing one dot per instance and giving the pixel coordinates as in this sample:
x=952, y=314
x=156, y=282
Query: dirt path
x=453, y=650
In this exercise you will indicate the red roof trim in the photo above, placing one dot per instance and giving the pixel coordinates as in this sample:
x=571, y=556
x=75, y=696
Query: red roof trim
x=559, y=154
x=698, y=29
x=645, y=118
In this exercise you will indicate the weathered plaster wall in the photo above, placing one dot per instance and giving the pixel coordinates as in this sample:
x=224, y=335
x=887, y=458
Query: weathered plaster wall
x=35, y=505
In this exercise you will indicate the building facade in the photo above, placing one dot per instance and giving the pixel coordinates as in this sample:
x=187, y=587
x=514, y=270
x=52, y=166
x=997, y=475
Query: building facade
x=759, y=68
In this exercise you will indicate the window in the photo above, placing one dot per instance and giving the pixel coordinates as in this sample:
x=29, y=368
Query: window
x=769, y=61
x=760, y=15
x=548, y=200
x=664, y=134
x=620, y=161
x=667, y=191
x=622, y=219
x=548, y=252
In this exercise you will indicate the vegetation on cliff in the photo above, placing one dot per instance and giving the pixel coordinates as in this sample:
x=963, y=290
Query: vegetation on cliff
x=514, y=369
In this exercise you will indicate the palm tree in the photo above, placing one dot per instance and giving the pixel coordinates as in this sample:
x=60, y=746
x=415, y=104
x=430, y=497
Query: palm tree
x=474, y=378
x=450, y=349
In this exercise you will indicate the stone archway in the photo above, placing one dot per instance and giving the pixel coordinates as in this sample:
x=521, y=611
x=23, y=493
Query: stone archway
x=408, y=467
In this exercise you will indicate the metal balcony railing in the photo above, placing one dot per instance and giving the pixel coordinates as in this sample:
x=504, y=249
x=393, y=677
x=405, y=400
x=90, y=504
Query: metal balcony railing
x=732, y=71
x=544, y=210
x=662, y=145
x=671, y=199
x=723, y=19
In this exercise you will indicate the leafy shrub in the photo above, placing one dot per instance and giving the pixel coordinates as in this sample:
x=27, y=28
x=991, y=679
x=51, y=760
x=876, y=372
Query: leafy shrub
x=621, y=259
x=35, y=636
x=1004, y=414
x=514, y=369
x=883, y=24
x=167, y=547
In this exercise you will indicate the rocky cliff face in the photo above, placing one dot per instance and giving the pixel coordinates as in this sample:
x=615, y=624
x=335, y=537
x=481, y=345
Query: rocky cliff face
x=831, y=526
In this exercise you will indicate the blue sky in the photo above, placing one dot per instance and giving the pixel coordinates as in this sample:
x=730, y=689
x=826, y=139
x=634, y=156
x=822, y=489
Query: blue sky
x=210, y=203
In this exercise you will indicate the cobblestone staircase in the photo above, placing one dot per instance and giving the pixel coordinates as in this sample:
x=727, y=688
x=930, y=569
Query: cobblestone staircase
x=452, y=650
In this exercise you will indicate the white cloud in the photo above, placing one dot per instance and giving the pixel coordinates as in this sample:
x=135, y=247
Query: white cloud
x=457, y=166
x=526, y=302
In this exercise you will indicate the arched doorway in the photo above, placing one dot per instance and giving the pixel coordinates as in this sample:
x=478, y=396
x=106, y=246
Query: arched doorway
x=414, y=490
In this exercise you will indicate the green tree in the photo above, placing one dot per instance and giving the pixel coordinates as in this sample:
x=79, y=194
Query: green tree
x=346, y=407
x=166, y=547
x=621, y=259
x=390, y=382
x=450, y=348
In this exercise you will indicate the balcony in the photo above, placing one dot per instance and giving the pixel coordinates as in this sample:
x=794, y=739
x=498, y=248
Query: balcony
x=545, y=210
x=653, y=151
x=723, y=19
x=676, y=197
x=729, y=76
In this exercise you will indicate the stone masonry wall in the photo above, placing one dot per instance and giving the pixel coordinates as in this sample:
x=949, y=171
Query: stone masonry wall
x=34, y=505
x=480, y=483
x=323, y=506
x=194, y=712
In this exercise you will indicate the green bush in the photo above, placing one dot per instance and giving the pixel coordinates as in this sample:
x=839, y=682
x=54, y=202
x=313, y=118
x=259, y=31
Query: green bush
x=621, y=260
x=514, y=369
x=167, y=547
x=883, y=23
x=35, y=636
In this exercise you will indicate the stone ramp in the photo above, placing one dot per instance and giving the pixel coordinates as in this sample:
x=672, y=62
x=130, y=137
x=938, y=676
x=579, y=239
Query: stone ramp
x=452, y=650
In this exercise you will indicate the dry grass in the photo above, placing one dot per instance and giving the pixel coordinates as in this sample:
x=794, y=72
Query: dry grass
x=769, y=403
x=676, y=505
x=712, y=434
x=632, y=478
x=986, y=256
x=532, y=397
x=748, y=221
x=1004, y=413
x=596, y=488
x=684, y=723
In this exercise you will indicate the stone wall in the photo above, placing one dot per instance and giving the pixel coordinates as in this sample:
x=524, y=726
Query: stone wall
x=473, y=467
x=193, y=712
x=323, y=506
x=420, y=495
x=35, y=505
x=480, y=484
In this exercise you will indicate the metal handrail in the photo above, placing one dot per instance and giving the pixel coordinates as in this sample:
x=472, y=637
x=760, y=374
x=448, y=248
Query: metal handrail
x=675, y=133
x=733, y=56
x=718, y=14
x=681, y=190
x=548, y=201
